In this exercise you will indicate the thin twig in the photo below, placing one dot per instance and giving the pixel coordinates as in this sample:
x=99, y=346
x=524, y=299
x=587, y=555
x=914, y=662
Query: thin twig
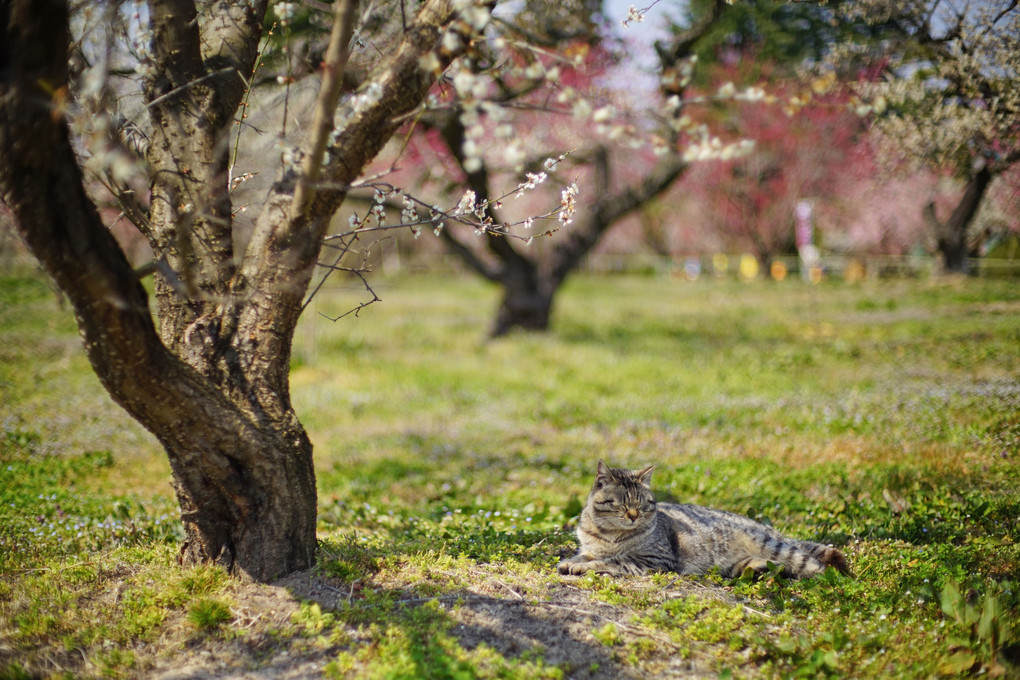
x=755, y=611
x=325, y=106
x=361, y=305
x=244, y=105
x=508, y=588
x=177, y=90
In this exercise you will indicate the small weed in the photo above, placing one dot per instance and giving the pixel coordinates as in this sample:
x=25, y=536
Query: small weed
x=311, y=619
x=207, y=614
x=991, y=641
x=609, y=635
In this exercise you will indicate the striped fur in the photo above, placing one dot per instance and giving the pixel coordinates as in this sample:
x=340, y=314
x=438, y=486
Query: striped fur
x=623, y=530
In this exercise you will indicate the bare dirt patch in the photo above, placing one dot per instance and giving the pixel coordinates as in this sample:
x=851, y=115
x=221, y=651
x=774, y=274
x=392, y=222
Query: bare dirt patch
x=554, y=621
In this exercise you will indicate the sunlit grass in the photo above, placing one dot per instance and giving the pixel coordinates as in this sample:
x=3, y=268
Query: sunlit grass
x=883, y=417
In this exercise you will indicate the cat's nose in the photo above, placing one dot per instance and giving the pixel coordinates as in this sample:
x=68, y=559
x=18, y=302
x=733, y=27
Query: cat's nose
x=632, y=514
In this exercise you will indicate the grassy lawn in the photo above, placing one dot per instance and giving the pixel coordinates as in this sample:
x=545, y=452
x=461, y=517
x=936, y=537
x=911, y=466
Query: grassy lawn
x=882, y=417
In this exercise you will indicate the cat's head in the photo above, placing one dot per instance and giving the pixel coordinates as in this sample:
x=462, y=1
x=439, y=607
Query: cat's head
x=622, y=499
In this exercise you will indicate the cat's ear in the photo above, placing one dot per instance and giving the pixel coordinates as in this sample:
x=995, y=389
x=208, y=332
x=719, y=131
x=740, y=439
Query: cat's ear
x=645, y=476
x=604, y=474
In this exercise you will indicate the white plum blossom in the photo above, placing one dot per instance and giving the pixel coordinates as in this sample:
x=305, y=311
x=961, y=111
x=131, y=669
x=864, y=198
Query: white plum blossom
x=533, y=180
x=567, y=204
x=514, y=154
x=634, y=15
x=751, y=94
x=603, y=114
x=535, y=70
x=727, y=90
x=378, y=209
x=463, y=83
x=452, y=42
x=466, y=204
x=408, y=215
x=581, y=109
x=477, y=16
x=712, y=148
x=430, y=63
x=285, y=11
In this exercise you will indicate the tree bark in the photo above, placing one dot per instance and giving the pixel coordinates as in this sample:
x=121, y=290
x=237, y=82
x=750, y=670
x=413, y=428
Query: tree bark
x=212, y=383
x=245, y=484
x=951, y=235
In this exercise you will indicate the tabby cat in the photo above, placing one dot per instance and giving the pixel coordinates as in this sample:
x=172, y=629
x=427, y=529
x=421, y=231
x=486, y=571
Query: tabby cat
x=623, y=530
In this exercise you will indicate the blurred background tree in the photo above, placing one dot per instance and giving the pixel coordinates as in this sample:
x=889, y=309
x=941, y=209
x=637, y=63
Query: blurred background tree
x=947, y=96
x=562, y=104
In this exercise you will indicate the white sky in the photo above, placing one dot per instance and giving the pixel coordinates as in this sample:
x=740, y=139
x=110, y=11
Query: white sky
x=639, y=72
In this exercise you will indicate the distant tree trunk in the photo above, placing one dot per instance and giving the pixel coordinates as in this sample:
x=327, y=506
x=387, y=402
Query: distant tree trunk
x=526, y=301
x=951, y=235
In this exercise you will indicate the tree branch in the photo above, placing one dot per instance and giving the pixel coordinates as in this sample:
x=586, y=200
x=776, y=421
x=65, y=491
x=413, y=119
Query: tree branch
x=175, y=42
x=191, y=101
x=280, y=260
x=682, y=44
x=325, y=106
x=230, y=38
x=609, y=208
x=465, y=253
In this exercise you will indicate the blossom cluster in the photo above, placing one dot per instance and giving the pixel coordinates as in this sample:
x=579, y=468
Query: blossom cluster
x=958, y=108
x=469, y=210
x=285, y=12
x=352, y=107
x=141, y=44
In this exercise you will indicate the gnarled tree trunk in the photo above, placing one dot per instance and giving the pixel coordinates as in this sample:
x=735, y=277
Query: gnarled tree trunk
x=212, y=382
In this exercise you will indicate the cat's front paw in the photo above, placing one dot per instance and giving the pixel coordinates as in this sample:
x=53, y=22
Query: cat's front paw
x=575, y=568
x=571, y=566
x=579, y=567
x=574, y=564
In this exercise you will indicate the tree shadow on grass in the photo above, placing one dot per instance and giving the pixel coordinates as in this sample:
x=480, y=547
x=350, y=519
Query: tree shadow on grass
x=465, y=632
x=309, y=625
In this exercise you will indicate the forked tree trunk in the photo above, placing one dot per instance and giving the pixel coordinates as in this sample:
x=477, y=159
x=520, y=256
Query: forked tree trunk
x=213, y=383
x=245, y=483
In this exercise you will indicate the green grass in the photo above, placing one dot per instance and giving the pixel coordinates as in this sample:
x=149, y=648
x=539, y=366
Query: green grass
x=884, y=418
